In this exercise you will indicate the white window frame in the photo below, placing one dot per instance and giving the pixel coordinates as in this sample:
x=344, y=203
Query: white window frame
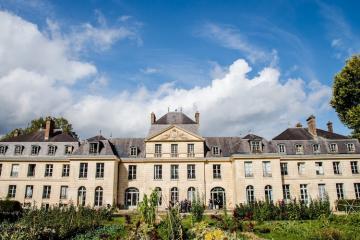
x=191, y=150
x=157, y=172
x=49, y=170
x=191, y=171
x=354, y=167
x=304, y=196
x=19, y=149
x=284, y=169
x=319, y=168
x=68, y=149
x=250, y=194
x=15, y=169
x=282, y=148
x=286, y=192
x=322, y=191
x=100, y=169
x=99, y=193
x=132, y=172
x=248, y=168
x=35, y=150
x=350, y=147
x=51, y=150
x=340, y=193
x=158, y=150
x=46, y=191
x=64, y=192
x=337, y=168
x=299, y=149
x=316, y=148
x=93, y=148
x=83, y=170
x=215, y=150
x=174, y=172
x=266, y=169
x=268, y=193
x=333, y=148
x=29, y=190
x=217, y=171
x=133, y=151
x=65, y=170
x=31, y=174
x=255, y=146
x=357, y=190
x=12, y=191
x=3, y=149
x=301, y=168
x=174, y=150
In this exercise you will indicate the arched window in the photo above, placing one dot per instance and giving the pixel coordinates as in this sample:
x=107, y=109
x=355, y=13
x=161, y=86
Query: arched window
x=81, y=196
x=268, y=193
x=131, y=197
x=98, y=197
x=217, y=199
x=250, y=194
x=191, y=194
x=174, y=195
x=159, y=193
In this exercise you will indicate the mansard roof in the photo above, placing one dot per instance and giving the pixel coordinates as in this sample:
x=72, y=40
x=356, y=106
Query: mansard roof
x=39, y=136
x=300, y=133
x=122, y=146
x=175, y=118
x=96, y=138
x=252, y=137
x=105, y=147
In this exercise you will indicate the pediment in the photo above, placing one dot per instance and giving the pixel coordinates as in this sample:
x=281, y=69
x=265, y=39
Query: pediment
x=174, y=133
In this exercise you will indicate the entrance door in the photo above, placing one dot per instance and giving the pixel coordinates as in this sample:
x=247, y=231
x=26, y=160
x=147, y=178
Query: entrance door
x=218, y=199
x=131, y=197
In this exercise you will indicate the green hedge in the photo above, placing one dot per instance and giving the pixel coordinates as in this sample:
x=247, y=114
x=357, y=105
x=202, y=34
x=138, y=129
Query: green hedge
x=10, y=211
x=348, y=205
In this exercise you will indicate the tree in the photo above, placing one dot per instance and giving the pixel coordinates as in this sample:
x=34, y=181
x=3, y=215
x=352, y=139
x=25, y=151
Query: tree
x=346, y=95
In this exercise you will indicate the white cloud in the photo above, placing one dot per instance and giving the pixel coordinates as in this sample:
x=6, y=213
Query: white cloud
x=150, y=70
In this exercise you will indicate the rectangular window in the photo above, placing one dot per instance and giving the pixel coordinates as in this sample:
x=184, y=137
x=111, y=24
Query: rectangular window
x=83, y=170
x=319, y=169
x=266, y=168
x=158, y=150
x=190, y=150
x=322, y=192
x=35, y=149
x=48, y=170
x=157, y=172
x=174, y=172
x=29, y=191
x=94, y=148
x=31, y=170
x=18, y=150
x=354, y=167
x=350, y=147
x=46, y=192
x=357, y=190
x=304, y=194
x=65, y=170
x=191, y=171
x=299, y=149
x=255, y=146
x=284, y=169
x=0, y=168
x=337, y=168
x=51, y=150
x=3, y=149
x=316, y=148
x=12, y=191
x=333, y=147
x=215, y=151
x=281, y=148
x=174, y=150
x=132, y=172
x=133, y=151
x=14, y=170
x=68, y=149
x=100, y=170
x=286, y=192
x=63, y=192
x=217, y=171
x=301, y=168
x=248, y=169
x=340, y=190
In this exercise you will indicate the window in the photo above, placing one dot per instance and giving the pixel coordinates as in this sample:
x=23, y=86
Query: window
x=98, y=197
x=266, y=168
x=63, y=192
x=35, y=149
x=255, y=146
x=174, y=150
x=191, y=171
x=46, y=192
x=301, y=168
x=191, y=194
x=304, y=198
x=81, y=196
x=68, y=149
x=159, y=194
x=83, y=170
x=174, y=195
x=322, y=192
x=354, y=167
x=281, y=148
x=132, y=172
x=284, y=169
x=31, y=170
x=357, y=190
x=248, y=169
x=286, y=192
x=12, y=191
x=3, y=149
x=268, y=193
x=215, y=151
x=51, y=150
x=48, y=170
x=337, y=168
x=190, y=150
x=174, y=172
x=18, y=150
x=333, y=147
x=157, y=172
x=29, y=191
x=319, y=168
x=350, y=147
x=94, y=148
x=133, y=151
x=0, y=168
x=316, y=148
x=131, y=197
x=216, y=171
x=14, y=170
x=250, y=197
x=65, y=170
x=157, y=150
x=100, y=170
x=340, y=190
x=299, y=149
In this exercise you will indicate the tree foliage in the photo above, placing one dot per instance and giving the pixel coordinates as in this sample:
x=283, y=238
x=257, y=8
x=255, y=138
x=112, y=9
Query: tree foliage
x=346, y=95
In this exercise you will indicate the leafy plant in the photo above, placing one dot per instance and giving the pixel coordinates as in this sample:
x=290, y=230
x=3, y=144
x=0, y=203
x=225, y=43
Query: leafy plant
x=197, y=208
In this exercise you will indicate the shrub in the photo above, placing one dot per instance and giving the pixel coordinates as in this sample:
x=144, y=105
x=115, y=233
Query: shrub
x=348, y=205
x=10, y=211
x=147, y=208
x=197, y=209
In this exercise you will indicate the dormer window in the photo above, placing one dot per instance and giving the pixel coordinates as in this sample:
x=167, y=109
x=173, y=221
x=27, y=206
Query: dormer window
x=281, y=148
x=3, y=149
x=51, y=150
x=68, y=149
x=216, y=151
x=133, y=151
x=299, y=149
x=18, y=150
x=35, y=149
x=255, y=146
x=94, y=148
x=349, y=146
x=316, y=148
x=333, y=147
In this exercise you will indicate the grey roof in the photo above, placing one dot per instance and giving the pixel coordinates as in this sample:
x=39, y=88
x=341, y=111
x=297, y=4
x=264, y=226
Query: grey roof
x=96, y=138
x=303, y=134
x=105, y=148
x=122, y=146
x=252, y=137
x=175, y=118
x=156, y=128
x=39, y=136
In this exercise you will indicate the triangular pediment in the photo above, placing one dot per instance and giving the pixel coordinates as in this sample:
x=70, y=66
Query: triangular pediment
x=174, y=133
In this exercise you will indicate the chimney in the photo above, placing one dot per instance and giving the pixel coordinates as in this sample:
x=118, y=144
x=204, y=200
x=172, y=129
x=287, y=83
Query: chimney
x=298, y=125
x=330, y=126
x=153, y=118
x=49, y=128
x=197, y=117
x=311, y=122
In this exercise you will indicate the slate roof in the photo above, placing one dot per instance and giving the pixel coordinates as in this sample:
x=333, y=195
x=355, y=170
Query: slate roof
x=303, y=134
x=122, y=146
x=175, y=118
x=39, y=136
x=105, y=147
x=96, y=138
x=156, y=128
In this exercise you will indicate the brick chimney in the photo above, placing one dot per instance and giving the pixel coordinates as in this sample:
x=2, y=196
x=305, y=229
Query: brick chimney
x=197, y=117
x=311, y=122
x=330, y=127
x=153, y=118
x=49, y=128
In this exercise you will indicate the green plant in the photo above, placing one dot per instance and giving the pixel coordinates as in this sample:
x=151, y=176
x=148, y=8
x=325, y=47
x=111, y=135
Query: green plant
x=197, y=208
x=148, y=207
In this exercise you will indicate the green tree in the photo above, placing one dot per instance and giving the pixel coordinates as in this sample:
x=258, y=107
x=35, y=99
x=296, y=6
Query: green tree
x=346, y=95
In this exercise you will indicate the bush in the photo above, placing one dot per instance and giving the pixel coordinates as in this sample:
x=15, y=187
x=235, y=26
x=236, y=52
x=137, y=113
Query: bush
x=10, y=211
x=197, y=209
x=105, y=232
x=343, y=205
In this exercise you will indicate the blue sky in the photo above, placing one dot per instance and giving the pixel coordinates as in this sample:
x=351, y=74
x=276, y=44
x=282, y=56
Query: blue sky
x=144, y=56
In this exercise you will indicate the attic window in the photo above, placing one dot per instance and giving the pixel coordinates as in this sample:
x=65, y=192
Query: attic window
x=3, y=149
x=35, y=149
x=68, y=149
x=51, y=150
x=281, y=148
x=216, y=150
x=18, y=150
x=133, y=151
x=255, y=146
x=333, y=147
x=349, y=146
x=299, y=149
x=94, y=148
x=316, y=148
